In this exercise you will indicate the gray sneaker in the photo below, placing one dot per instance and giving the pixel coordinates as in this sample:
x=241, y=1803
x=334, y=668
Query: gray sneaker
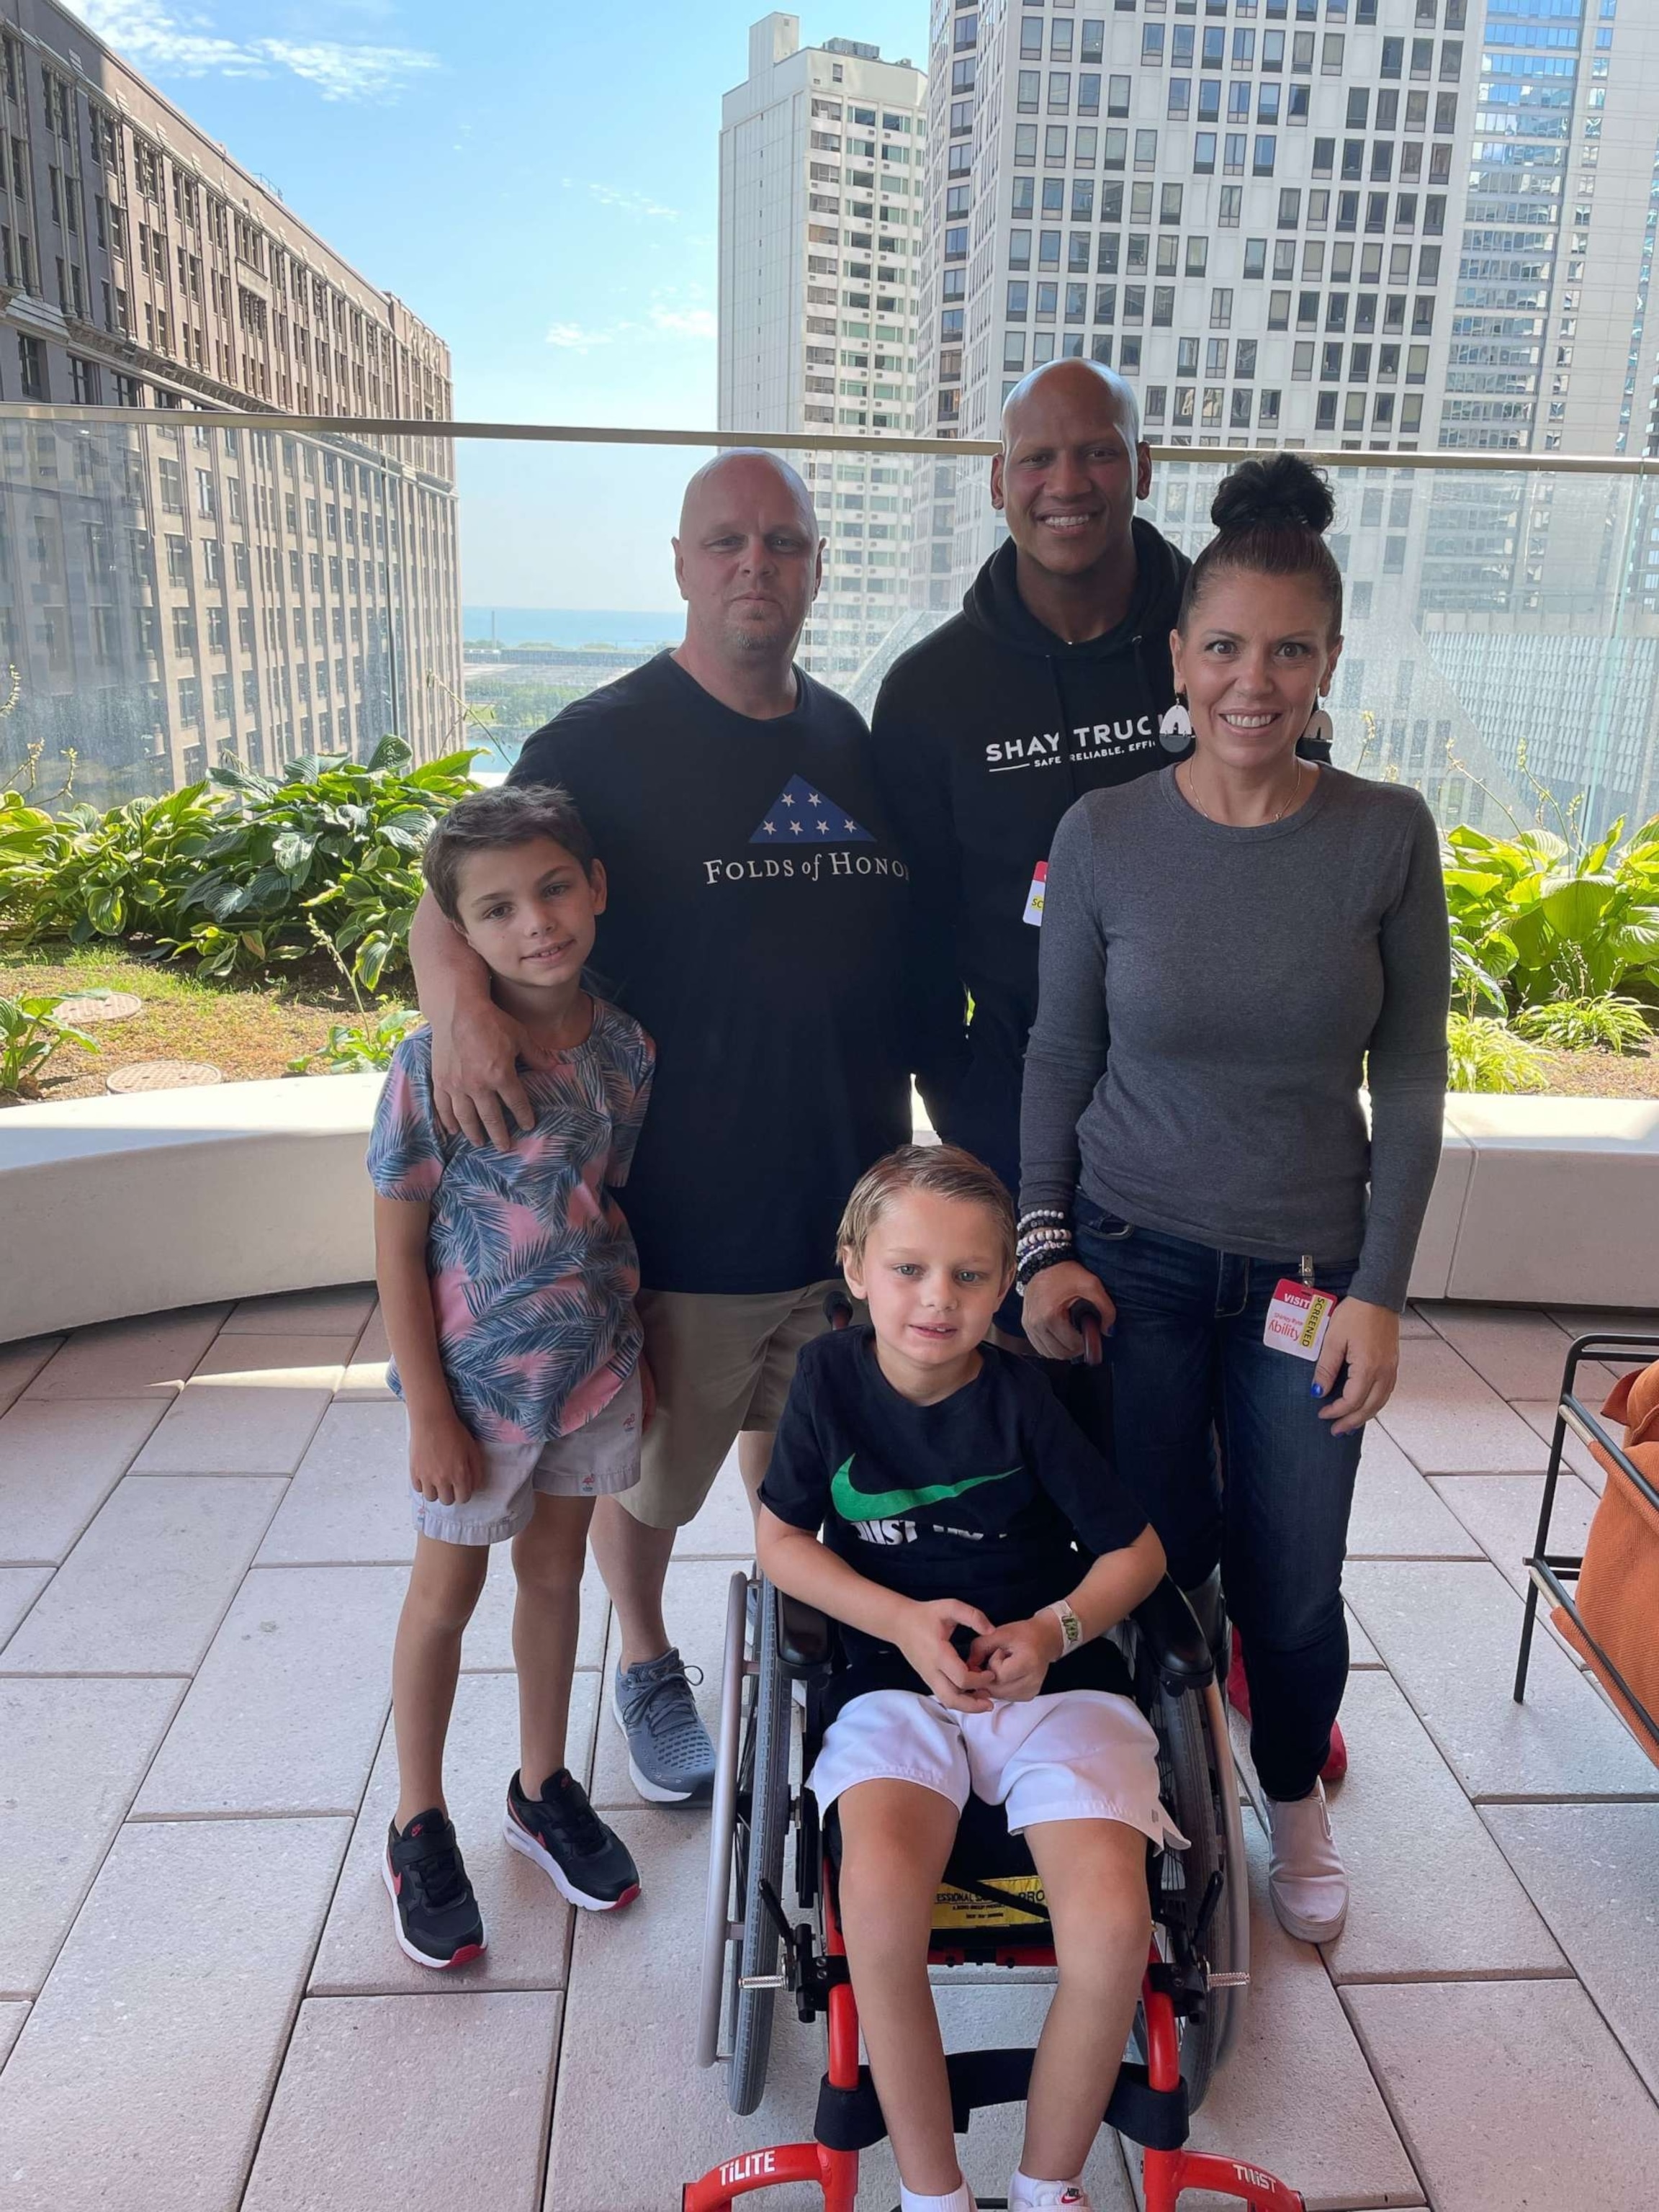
x=670, y=1757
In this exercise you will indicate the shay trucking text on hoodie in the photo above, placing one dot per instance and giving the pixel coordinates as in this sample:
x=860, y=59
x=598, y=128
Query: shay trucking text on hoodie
x=984, y=734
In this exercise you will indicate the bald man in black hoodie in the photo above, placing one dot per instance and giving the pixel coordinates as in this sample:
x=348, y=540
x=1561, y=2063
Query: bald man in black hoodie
x=1050, y=682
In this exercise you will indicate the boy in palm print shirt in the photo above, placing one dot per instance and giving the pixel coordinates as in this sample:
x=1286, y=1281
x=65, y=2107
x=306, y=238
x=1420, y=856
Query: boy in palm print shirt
x=507, y=1282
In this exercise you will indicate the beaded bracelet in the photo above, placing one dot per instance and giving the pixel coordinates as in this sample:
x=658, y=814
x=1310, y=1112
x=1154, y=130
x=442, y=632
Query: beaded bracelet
x=1049, y=1257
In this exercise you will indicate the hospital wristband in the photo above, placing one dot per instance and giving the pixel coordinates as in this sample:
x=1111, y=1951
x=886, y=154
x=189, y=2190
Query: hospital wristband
x=1070, y=1628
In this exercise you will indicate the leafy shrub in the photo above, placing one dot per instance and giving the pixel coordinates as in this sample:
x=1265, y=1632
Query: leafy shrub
x=30, y=1033
x=1549, y=923
x=1485, y=1054
x=83, y=874
x=1605, y=1024
x=244, y=872
x=359, y=1047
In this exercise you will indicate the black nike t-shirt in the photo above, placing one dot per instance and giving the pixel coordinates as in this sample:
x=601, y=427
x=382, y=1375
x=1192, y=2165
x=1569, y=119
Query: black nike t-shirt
x=993, y=1495
x=756, y=931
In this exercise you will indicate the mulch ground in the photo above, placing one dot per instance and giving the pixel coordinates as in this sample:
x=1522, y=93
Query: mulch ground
x=248, y=1031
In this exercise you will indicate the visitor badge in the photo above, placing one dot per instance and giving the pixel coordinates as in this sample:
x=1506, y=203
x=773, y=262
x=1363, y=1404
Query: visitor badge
x=1033, y=913
x=1297, y=1319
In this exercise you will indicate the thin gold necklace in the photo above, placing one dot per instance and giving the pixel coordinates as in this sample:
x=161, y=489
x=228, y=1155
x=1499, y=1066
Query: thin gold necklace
x=1192, y=793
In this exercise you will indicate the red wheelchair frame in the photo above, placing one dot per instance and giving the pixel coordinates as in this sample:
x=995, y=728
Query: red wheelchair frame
x=1148, y=2104
x=1168, y=2170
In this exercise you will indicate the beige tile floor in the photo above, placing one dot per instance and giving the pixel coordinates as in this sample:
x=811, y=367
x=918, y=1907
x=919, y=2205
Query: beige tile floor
x=203, y=1543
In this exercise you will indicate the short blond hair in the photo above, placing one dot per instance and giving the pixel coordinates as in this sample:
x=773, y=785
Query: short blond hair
x=940, y=1170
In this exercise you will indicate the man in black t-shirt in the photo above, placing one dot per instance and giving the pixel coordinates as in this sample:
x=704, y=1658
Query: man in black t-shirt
x=756, y=926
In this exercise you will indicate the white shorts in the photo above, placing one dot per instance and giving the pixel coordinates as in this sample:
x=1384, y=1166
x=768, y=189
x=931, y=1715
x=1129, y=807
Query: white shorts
x=1069, y=1755
x=595, y=1460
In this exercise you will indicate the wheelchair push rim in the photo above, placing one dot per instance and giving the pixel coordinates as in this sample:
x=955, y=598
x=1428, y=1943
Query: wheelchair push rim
x=718, y=1931
x=1196, y=1752
x=762, y=1844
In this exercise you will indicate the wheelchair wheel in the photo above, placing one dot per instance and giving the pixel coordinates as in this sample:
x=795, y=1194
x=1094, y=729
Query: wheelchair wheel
x=763, y=1827
x=717, y=1928
x=1201, y=1790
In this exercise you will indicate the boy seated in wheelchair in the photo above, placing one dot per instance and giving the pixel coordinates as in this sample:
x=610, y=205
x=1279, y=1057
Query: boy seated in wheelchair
x=975, y=1548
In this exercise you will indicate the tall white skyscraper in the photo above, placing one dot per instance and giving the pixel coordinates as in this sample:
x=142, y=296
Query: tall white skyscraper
x=1365, y=225
x=823, y=158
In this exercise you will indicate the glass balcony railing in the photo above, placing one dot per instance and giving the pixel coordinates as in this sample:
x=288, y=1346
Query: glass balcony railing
x=175, y=587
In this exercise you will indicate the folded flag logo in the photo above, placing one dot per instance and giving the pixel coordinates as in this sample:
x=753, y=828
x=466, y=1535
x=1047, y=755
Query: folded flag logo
x=802, y=814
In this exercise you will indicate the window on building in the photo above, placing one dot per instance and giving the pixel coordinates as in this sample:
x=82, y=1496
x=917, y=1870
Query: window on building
x=32, y=366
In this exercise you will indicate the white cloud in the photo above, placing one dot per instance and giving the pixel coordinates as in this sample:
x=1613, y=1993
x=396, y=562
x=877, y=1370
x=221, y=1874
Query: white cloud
x=663, y=320
x=149, y=35
x=685, y=322
x=342, y=72
x=573, y=338
x=635, y=204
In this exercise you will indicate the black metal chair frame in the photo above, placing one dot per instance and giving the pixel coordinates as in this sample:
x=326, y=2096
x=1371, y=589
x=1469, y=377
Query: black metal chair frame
x=1549, y=1572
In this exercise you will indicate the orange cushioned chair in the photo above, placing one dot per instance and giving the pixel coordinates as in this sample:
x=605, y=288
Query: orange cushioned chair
x=1611, y=1616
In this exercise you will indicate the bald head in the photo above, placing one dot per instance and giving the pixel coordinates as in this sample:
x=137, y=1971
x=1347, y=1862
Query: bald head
x=1070, y=469
x=1075, y=388
x=748, y=562
x=739, y=474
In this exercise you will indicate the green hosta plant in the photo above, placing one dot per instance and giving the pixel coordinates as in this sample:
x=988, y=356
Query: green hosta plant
x=244, y=872
x=333, y=841
x=1608, y=1024
x=30, y=1033
x=83, y=874
x=1485, y=1054
x=359, y=1047
x=1550, y=923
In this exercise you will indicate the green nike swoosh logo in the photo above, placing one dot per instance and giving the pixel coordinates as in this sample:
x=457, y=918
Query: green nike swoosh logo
x=884, y=1504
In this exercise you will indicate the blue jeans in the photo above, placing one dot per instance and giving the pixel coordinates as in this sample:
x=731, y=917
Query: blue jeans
x=1189, y=1373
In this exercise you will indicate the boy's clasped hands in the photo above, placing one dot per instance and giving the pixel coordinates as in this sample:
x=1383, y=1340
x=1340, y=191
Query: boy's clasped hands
x=1004, y=1665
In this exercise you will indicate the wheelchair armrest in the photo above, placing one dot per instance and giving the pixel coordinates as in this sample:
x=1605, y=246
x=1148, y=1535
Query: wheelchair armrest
x=804, y=1636
x=1179, y=1648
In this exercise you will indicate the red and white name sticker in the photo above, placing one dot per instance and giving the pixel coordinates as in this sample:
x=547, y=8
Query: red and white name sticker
x=1033, y=913
x=1297, y=1319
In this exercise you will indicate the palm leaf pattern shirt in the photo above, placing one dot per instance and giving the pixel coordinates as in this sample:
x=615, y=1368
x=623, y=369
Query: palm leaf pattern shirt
x=533, y=1266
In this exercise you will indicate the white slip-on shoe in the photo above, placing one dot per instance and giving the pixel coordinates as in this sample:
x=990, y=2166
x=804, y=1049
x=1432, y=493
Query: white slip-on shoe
x=1305, y=1876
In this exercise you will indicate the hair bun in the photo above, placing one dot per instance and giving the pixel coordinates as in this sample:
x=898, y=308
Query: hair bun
x=1283, y=492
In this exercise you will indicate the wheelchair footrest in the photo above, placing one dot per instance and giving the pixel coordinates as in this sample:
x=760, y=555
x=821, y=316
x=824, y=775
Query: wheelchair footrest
x=851, y=2119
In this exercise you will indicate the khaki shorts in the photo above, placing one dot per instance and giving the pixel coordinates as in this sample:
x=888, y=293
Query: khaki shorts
x=595, y=1460
x=721, y=1363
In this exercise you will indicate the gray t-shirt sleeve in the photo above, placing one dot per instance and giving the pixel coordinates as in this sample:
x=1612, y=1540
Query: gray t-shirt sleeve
x=1066, y=1056
x=1406, y=1069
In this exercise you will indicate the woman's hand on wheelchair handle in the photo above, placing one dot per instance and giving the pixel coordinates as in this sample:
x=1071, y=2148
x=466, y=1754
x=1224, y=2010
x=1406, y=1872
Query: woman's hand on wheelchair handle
x=1365, y=1340
x=1049, y=1298
x=924, y=1637
x=1017, y=1657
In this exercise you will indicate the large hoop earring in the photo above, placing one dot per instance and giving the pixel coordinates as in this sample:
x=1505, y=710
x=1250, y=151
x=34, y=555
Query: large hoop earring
x=1316, y=737
x=1175, y=732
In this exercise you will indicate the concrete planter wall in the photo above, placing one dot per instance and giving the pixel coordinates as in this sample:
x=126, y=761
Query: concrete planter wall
x=111, y=1207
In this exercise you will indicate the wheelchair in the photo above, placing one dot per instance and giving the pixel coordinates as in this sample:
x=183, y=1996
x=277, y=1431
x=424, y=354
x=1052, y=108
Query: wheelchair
x=990, y=1909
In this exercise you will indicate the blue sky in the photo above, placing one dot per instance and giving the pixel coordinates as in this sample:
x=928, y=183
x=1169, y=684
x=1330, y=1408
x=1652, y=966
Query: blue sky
x=539, y=182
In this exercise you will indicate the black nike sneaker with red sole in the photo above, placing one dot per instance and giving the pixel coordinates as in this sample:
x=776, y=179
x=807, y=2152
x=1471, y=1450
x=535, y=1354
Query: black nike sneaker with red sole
x=559, y=1830
x=435, y=1915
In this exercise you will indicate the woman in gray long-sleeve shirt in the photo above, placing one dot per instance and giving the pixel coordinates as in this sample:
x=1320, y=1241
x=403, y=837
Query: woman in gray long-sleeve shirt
x=1229, y=950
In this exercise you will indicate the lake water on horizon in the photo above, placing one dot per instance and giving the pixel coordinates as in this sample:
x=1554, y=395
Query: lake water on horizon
x=572, y=626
